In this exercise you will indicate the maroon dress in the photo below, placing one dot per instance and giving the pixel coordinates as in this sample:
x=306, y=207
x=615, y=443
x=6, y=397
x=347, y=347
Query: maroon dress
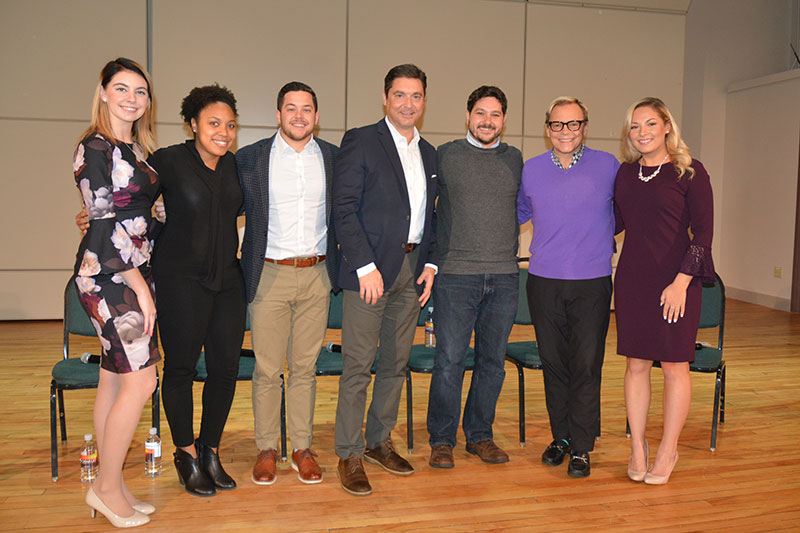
x=656, y=216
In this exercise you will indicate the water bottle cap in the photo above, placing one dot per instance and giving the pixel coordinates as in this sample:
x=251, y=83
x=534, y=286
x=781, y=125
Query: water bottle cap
x=430, y=309
x=153, y=431
x=87, y=436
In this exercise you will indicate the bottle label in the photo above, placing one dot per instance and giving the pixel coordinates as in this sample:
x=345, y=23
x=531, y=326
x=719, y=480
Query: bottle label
x=152, y=450
x=88, y=457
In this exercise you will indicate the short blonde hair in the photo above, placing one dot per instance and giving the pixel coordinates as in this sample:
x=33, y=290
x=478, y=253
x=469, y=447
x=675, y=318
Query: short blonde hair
x=676, y=148
x=101, y=123
x=565, y=100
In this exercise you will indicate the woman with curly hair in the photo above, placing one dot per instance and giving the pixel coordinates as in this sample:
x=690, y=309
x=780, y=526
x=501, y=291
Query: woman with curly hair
x=660, y=194
x=201, y=300
x=112, y=273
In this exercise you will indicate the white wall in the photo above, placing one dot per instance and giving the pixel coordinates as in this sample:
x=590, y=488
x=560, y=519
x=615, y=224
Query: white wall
x=762, y=146
x=727, y=42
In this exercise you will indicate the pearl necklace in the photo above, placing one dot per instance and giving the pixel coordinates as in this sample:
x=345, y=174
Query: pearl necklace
x=654, y=174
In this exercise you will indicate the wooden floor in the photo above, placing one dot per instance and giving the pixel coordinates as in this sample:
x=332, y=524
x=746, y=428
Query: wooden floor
x=751, y=482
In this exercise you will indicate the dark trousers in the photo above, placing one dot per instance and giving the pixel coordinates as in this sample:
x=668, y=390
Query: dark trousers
x=392, y=322
x=190, y=318
x=487, y=304
x=571, y=321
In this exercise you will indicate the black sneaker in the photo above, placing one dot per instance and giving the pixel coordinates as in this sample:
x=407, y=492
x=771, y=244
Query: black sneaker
x=579, y=464
x=554, y=454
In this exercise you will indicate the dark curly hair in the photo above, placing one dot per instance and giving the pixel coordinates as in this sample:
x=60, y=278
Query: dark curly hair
x=200, y=97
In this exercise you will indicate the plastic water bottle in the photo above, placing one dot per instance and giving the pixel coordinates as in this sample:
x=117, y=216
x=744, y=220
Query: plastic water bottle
x=430, y=338
x=88, y=459
x=152, y=454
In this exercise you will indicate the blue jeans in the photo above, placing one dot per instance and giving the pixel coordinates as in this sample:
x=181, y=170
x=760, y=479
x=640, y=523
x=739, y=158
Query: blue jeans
x=487, y=304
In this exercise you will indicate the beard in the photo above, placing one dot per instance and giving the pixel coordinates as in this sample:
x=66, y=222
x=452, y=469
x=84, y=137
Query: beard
x=480, y=138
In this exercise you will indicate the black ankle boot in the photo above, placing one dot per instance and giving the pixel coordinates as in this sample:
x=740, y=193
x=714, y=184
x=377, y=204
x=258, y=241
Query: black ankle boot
x=192, y=476
x=209, y=462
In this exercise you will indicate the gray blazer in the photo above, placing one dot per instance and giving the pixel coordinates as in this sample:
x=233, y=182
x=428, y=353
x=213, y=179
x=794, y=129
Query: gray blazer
x=253, y=164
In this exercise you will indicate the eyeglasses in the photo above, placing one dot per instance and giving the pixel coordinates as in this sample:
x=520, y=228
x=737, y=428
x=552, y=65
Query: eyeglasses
x=572, y=125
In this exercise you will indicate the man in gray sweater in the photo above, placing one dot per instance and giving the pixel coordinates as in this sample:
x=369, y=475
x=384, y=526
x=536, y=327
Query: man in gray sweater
x=477, y=284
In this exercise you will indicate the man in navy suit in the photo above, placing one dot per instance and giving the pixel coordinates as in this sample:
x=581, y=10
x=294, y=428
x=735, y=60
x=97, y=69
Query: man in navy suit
x=383, y=209
x=289, y=269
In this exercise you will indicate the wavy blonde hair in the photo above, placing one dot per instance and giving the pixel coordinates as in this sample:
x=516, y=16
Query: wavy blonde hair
x=143, y=133
x=676, y=148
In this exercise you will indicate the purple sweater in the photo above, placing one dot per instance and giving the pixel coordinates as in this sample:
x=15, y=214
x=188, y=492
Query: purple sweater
x=572, y=214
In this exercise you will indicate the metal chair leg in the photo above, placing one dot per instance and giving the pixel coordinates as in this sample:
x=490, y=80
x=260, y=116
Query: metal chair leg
x=521, y=376
x=722, y=395
x=53, y=437
x=409, y=412
x=284, y=455
x=62, y=416
x=156, y=407
x=715, y=415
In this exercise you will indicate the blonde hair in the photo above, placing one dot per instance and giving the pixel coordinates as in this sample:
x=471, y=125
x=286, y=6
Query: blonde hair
x=565, y=100
x=676, y=148
x=143, y=133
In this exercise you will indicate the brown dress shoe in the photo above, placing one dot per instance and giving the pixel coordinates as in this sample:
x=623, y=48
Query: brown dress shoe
x=264, y=473
x=441, y=456
x=384, y=455
x=352, y=476
x=308, y=471
x=488, y=451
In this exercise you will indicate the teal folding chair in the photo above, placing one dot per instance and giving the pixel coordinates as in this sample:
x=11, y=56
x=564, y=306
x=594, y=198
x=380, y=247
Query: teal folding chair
x=247, y=363
x=422, y=361
x=708, y=359
x=73, y=373
x=523, y=354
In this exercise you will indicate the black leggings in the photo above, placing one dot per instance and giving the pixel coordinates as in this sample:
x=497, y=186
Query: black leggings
x=190, y=318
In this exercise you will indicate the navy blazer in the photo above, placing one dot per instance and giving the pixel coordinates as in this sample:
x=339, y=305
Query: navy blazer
x=371, y=210
x=253, y=164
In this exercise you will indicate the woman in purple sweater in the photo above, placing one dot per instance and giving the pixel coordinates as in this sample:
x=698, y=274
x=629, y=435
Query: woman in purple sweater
x=660, y=193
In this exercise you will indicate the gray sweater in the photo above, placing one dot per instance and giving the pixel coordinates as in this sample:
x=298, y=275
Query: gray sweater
x=477, y=230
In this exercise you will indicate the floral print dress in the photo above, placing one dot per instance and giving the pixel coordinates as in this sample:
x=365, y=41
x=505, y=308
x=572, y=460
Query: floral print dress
x=118, y=189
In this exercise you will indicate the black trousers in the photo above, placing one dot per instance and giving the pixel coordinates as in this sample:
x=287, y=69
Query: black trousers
x=571, y=322
x=190, y=318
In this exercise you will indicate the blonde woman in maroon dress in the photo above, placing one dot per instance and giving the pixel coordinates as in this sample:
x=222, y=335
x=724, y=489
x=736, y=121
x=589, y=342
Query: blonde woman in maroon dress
x=660, y=193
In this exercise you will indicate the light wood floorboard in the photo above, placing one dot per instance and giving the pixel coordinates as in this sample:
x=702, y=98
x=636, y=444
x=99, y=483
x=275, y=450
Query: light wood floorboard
x=751, y=482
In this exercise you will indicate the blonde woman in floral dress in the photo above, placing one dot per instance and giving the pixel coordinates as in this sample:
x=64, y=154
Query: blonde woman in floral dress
x=112, y=273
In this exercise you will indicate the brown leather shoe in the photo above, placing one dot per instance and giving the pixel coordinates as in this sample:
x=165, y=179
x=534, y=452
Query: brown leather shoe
x=308, y=471
x=352, y=476
x=266, y=467
x=441, y=456
x=384, y=455
x=488, y=451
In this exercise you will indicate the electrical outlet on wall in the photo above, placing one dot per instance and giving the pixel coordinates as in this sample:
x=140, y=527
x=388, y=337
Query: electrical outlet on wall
x=777, y=272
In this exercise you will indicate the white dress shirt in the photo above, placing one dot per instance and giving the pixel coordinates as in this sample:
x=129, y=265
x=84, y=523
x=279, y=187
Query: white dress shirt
x=297, y=221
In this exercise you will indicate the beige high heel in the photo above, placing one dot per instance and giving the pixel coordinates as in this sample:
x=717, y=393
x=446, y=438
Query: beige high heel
x=144, y=508
x=96, y=504
x=634, y=474
x=650, y=479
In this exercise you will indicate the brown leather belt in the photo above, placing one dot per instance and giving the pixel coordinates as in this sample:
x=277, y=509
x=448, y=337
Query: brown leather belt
x=299, y=262
x=410, y=247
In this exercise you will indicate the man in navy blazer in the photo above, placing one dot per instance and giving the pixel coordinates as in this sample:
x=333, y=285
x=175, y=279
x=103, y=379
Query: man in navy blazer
x=288, y=259
x=383, y=209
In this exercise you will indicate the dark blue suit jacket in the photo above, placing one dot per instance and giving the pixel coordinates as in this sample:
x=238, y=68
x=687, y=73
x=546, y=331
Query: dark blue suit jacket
x=371, y=210
x=253, y=163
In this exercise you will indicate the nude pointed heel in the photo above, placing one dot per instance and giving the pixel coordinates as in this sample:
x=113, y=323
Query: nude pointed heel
x=650, y=479
x=96, y=504
x=636, y=475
